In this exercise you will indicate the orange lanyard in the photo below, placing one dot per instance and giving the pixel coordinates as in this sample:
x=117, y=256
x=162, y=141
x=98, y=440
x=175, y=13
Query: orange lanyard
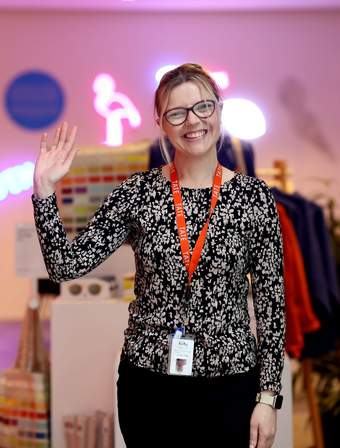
x=191, y=262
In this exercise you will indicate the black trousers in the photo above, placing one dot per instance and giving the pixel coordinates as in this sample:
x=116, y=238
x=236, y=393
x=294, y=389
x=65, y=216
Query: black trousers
x=157, y=410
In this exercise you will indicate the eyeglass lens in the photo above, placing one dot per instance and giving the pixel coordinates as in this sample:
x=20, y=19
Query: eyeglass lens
x=203, y=109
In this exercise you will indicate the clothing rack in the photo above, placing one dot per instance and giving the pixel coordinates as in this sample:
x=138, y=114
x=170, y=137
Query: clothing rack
x=280, y=176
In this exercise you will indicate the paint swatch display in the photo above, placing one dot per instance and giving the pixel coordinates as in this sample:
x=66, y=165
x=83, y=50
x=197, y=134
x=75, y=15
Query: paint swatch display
x=24, y=409
x=95, y=172
x=24, y=390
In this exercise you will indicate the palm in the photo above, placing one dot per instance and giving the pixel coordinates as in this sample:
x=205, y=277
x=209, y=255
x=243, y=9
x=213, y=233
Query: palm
x=54, y=160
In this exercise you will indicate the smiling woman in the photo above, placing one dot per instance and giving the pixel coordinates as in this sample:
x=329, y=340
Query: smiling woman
x=190, y=370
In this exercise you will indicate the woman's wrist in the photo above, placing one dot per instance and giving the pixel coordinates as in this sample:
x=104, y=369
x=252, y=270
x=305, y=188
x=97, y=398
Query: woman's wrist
x=42, y=191
x=268, y=392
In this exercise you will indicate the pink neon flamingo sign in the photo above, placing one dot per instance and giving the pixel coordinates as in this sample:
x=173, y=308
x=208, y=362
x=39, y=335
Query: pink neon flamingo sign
x=114, y=107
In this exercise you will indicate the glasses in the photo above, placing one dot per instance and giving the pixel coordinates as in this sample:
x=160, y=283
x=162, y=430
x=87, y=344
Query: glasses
x=178, y=115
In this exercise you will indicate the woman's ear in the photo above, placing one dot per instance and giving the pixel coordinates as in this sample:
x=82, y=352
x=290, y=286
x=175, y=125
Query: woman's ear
x=157, y=121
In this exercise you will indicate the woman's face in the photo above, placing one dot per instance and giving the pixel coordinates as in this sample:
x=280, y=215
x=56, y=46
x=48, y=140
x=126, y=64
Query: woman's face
x=196, y=136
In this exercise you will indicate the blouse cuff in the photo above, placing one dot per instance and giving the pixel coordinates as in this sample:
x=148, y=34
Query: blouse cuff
x=51, y=199
x=274, y=387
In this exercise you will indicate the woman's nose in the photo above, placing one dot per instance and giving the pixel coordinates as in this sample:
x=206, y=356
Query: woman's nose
x=192, y=118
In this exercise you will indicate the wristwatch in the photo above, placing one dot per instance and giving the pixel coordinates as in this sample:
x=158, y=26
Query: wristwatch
x=273, y=401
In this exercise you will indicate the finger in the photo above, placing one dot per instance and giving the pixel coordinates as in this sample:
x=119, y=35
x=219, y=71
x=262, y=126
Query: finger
x=270, y=442
x=263, y=441
x=260, y=442
x=69, y=147
x=253, y=436
x=63, y=134
x=56, y=136
x=72, y=137
x=70, y=156
x=43, y=142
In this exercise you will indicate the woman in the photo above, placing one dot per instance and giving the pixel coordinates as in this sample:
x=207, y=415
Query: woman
x=190, y=369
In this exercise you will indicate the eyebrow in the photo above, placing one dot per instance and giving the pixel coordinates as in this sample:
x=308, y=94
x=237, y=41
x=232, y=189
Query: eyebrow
x=185, y=107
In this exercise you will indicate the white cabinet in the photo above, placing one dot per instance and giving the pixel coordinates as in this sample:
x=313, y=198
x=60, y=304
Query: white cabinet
x=86, y=339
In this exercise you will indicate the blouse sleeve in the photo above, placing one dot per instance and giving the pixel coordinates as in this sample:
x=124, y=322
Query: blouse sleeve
x=268, y=287
x=105, y=232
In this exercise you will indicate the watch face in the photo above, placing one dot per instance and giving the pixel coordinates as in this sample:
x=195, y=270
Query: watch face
x=278, y=401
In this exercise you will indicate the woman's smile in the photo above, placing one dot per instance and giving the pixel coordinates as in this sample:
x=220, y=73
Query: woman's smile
x=195, y=135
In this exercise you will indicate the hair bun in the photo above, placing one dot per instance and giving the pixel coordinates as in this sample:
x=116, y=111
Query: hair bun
x=193, y=65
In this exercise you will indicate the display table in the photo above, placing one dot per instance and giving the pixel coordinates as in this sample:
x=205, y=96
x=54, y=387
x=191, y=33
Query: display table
x=86, y=338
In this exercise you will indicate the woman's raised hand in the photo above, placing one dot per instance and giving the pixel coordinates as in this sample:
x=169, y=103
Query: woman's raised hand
x=54, y=160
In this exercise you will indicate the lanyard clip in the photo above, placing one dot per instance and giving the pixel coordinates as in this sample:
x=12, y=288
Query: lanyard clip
x=179, y=332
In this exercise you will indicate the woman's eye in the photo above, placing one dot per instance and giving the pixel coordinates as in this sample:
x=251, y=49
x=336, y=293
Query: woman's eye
x=177, y=114
x=203, y=107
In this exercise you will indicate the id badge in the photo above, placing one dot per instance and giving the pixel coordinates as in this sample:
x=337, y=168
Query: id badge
x=181, y=354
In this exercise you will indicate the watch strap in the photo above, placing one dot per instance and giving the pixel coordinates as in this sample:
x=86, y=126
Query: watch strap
x=273, y=401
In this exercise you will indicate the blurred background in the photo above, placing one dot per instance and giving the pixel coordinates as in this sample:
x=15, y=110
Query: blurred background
x=94, y=63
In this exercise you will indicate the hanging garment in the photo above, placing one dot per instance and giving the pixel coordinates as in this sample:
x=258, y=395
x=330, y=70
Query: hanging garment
x=317, y=260
x=300, y=317
x=326, y=255
x=300, y=212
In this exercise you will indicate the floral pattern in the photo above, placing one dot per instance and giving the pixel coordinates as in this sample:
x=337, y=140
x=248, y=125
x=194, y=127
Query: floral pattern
x=243, y=237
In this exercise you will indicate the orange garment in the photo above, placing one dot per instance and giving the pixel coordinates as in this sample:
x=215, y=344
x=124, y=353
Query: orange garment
x=300, y=316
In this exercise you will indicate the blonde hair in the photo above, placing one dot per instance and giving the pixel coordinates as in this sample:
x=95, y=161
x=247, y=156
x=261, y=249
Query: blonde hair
x=170, y=80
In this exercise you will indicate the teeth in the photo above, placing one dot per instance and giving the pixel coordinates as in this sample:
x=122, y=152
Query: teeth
x=195, y=134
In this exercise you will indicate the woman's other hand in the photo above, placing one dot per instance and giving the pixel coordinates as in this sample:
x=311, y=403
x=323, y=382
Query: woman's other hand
x=262, y=426
x=54, y=160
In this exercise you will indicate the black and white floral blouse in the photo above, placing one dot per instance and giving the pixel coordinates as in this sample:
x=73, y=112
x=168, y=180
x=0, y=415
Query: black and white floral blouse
x=243, y=236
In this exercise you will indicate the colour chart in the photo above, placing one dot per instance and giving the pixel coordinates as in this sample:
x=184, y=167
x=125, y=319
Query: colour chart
x=95, y=172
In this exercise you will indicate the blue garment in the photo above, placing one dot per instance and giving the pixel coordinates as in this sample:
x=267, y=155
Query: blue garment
x=316, y=251
x=327, y=255
x=225, y=155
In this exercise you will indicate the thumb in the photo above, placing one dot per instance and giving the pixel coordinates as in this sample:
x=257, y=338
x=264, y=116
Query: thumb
x=253, y=436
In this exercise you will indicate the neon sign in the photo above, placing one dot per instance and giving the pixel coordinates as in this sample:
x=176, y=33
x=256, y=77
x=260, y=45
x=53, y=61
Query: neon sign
x=221, y=78
x=160, y=72
x=16, y=179
x=114, y=107
x=243, y=119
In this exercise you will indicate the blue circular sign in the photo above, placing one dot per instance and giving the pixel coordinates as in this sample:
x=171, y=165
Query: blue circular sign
x=34, y=100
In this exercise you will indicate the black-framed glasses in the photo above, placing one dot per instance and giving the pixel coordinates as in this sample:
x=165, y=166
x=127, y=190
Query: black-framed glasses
x=178, y=115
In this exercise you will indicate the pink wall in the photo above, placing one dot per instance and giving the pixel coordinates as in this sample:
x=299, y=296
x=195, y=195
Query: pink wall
x=259, y=50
